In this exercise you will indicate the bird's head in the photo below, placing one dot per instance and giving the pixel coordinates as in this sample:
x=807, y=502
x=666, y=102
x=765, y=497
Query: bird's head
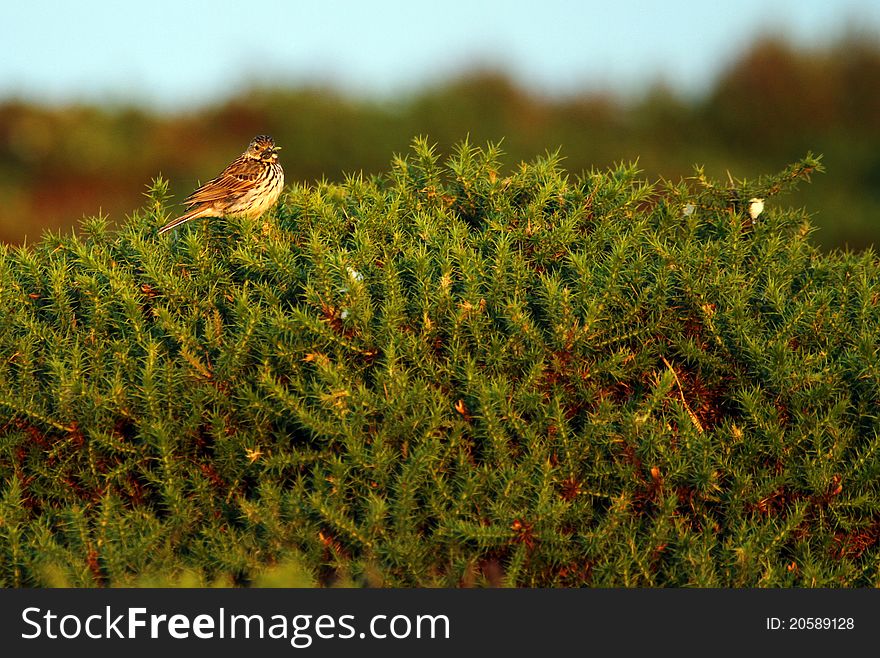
x=262, y=147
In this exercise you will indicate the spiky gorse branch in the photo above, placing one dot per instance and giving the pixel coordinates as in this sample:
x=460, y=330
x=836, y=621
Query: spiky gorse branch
x=452, y=373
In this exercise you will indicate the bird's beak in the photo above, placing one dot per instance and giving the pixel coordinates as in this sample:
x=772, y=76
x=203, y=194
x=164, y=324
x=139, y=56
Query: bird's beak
x=276, y=149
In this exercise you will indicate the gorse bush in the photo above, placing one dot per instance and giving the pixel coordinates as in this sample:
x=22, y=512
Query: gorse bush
x=445, y=375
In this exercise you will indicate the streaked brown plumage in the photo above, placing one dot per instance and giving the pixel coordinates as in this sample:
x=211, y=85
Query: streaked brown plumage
x=246, y=188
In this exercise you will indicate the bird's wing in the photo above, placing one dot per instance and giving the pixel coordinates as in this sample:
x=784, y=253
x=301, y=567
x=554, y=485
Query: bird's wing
x=233, y=182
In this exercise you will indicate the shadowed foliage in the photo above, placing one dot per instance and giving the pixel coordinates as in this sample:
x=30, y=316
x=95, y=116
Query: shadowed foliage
x=445, y=375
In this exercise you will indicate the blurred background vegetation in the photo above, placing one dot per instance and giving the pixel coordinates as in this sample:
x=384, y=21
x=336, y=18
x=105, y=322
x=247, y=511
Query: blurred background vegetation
x=771, y=105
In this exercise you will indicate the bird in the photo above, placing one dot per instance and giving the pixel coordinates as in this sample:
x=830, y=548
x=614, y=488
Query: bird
x=248, y=187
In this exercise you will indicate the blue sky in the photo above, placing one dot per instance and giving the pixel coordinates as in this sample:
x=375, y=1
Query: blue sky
x=175, y=54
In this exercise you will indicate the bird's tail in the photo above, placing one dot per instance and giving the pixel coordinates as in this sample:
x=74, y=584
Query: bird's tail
x=195, y=213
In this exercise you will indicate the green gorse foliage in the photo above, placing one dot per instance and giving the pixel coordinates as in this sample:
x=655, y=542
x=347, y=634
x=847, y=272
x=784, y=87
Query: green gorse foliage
x=445, y=375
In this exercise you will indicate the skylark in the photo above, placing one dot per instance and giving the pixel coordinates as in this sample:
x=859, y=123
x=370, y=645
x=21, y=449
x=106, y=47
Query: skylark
x=246, y=188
